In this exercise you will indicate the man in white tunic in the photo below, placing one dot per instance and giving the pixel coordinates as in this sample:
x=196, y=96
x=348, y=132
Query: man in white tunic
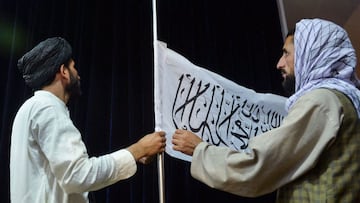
x=48, y=159
x=314, y=156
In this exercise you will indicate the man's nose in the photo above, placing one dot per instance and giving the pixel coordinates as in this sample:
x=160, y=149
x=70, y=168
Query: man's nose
x=280, y=63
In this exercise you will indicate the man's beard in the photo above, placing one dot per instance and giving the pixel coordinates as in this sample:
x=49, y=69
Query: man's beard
x=289, y=85
x=74, y=87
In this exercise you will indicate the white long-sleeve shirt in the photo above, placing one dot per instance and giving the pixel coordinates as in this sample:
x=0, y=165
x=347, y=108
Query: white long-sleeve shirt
x=49, y=161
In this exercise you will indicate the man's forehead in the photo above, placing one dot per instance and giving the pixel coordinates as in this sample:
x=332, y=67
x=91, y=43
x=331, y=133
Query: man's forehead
x=289, y=39
x=289, y=42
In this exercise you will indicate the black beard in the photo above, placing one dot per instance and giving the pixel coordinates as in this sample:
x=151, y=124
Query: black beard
x=74, y=87
x=289, y=85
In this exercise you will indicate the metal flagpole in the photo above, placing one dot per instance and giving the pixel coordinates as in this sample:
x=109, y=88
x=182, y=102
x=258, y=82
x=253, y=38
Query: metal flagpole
x=282, y=17
x=160, y=156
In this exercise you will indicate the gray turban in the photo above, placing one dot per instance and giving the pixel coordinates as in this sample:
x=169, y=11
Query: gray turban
x=39, y=65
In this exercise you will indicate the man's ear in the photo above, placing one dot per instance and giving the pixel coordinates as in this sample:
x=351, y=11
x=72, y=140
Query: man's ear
x=64, y=72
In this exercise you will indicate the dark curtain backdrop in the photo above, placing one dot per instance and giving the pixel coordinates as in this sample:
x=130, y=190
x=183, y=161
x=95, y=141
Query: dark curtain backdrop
x=112, y=46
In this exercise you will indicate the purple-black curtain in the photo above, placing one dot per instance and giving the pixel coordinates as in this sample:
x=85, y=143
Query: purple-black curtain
x=112, y=46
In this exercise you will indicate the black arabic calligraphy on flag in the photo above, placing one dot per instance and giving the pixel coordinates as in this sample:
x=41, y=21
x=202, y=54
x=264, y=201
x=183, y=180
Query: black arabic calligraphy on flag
x=218, y=110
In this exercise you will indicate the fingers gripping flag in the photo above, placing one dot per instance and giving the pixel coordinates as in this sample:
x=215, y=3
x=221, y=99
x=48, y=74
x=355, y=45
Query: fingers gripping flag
x=218, y=110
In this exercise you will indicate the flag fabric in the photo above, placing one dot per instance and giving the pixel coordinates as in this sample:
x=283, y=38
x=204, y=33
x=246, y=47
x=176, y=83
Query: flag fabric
x=216, y=109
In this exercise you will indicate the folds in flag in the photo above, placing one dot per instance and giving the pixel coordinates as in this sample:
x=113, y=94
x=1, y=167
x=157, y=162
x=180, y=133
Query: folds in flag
x=218, y=110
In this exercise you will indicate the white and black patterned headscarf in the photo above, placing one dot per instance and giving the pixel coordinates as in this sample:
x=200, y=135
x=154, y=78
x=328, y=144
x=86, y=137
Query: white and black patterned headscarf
x=324, y=58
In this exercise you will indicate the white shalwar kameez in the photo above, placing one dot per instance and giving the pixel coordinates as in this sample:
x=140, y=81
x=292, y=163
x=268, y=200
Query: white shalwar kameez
x=49, y=161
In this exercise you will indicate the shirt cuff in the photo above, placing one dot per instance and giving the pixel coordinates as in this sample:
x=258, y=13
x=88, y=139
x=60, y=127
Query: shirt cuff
x=199, y=147
x=125, y=163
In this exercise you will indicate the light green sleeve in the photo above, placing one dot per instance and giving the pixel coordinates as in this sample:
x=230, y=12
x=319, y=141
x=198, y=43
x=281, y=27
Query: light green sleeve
x=276, y=157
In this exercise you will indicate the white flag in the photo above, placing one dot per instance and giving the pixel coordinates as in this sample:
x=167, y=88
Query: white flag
x=218, y=110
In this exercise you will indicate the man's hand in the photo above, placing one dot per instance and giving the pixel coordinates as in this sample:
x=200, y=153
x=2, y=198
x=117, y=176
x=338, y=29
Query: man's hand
x=148, y=146
x=185, y=141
